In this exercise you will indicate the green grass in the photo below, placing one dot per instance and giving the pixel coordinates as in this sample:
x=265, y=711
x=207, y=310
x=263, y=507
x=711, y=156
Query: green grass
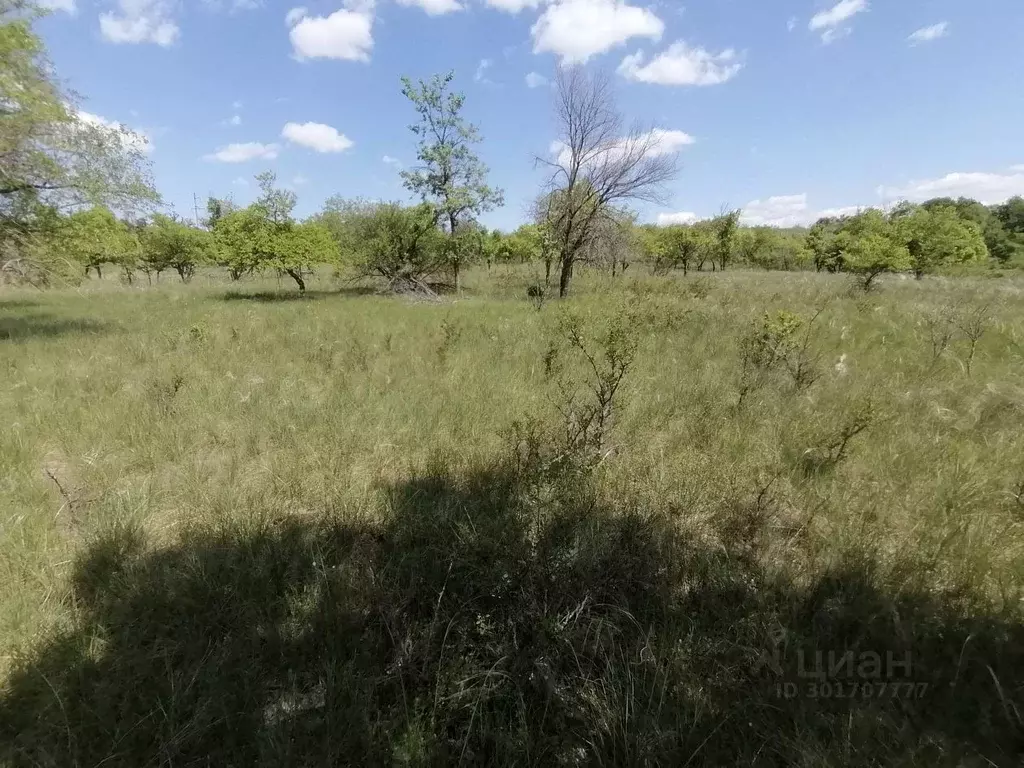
x=240, y=528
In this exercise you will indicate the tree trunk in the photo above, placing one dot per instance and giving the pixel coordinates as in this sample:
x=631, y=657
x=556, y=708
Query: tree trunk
x=547, y=270
x=455, y=274
x=565, y=277
x=296, y=275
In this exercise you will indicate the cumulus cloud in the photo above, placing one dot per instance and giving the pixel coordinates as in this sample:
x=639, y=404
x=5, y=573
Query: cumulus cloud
x=575, y=30
x=389, y=160
x=434, y=7
x=789, y=211
x=927, y=34
x=682, y=217
x=244, y=152
x=662, y=142
x=832, y=23
x=316, y=136
x=345, y=34
x=295, y=15
x=513, y=6
x=68, y=6
x=535, y=80
x=680, y=64
x=140, y=21
x=989, y=188
x=130, y=138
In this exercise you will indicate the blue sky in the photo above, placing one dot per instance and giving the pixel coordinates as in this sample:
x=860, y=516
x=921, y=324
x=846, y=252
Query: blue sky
x=786, y=108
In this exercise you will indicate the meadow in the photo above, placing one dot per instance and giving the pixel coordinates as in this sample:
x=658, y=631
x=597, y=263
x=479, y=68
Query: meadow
x=645, y=525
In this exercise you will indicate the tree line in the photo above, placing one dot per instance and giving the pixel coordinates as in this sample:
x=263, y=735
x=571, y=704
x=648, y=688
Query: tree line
x=75, y=196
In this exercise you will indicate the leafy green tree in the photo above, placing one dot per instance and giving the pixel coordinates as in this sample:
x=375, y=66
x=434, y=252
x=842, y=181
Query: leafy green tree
x=169, y=243
x=450, y=177
x=400, y=244
x=759, y=246
x=823, y=245
x=1011, y=215
x=937, y=237
x=265, y=236
x=870, y=246
x=53, y=157
x=95, y=236
x=724, y=227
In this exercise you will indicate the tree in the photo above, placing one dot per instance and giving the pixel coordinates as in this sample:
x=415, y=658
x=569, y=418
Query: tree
x=53, y=157
x=823, y=245
x=94, y=237
x=598, y=167
x=1011, y=215
x=265, y=236
x=724, y=227
x=870, y=246
x=400, y=244
x=759, y=246
x=169, y=243
x=450, y=177
x=938, y=236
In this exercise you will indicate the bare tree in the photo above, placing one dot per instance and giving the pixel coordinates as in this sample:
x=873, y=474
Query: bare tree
x=598, y=166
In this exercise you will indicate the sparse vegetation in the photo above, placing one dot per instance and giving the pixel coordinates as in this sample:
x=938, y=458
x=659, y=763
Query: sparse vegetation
x=355, y=529
x=418, y=512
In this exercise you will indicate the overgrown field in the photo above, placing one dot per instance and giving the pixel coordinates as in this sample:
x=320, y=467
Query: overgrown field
x=241, y=528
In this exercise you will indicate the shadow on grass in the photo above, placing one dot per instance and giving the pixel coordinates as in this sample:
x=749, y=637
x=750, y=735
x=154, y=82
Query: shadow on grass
x=476, y=627
x=270, y=297
x=18, y=328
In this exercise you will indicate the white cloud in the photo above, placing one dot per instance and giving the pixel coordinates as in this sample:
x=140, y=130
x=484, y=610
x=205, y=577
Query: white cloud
x=131, y=138
x=989, y=188
x=389, y=160
x=345, y=34
x=316, y=136
x=832, y=22
x=778, y=211
x=513, y=6
x=680, y=64
x=234, y=120
x=662, y=142
x=837, y=14
x=481, y=71
x=68, y=6
x=295, y=15
x=682, y=217
x=791, y=24
x=298, y=180
x=242, y=153
x=579, y=29
x=236, y=105
x=927, y=34
x=434, y=7
x=535, y=80
x=140, y=21
x=789, y=211
x=241, y=181
x=1017, y=167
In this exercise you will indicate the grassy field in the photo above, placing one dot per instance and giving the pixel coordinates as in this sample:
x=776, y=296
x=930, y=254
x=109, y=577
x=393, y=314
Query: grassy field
x=241, y=528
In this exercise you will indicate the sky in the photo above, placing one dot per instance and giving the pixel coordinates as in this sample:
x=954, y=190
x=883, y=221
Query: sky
x=789, y=109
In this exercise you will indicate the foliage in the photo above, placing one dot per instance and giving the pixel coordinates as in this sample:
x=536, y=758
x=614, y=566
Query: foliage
x=170, y=243
x=937, y=237
x=94, y=237
x=265, y=236
x=54, y=157
x=450, y=177
x=400, y=244
x=293, y=533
